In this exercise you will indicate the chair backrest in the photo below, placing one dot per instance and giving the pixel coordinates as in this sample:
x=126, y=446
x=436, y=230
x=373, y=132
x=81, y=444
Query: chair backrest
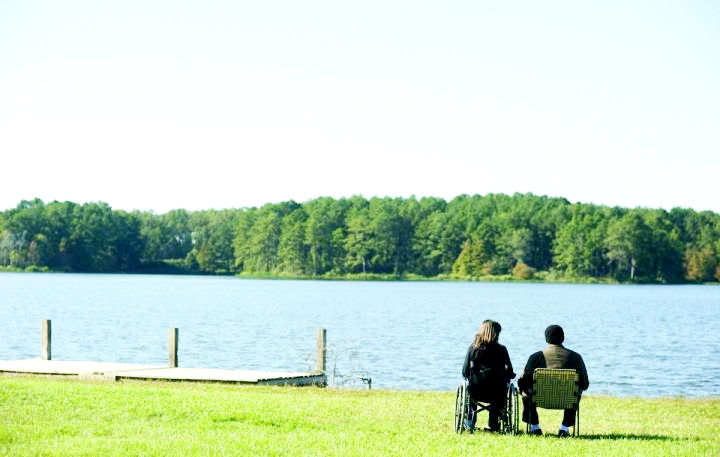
x=555, y=388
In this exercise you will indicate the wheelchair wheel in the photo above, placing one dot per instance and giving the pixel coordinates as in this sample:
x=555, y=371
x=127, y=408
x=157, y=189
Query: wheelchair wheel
x=506, y=416
x=461, y=401
x=518, y=417
x=512, y=410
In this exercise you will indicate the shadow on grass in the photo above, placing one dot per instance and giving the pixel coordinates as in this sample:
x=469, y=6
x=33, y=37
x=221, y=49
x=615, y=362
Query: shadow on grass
x=628, y=436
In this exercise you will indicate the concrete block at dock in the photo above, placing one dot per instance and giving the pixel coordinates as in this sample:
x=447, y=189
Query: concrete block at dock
x=117, y=371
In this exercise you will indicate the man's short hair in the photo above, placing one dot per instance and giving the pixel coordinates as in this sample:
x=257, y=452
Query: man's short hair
x=554, y=334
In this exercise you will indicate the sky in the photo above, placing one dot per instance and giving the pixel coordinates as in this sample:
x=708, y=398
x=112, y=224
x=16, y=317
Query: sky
x=156, y=105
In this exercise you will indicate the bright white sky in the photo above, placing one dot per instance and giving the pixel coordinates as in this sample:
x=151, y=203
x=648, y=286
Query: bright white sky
x=156, y=105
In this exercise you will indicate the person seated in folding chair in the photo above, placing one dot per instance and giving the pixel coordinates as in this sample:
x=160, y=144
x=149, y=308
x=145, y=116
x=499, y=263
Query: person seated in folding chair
x=488, y=370
x=555, y=355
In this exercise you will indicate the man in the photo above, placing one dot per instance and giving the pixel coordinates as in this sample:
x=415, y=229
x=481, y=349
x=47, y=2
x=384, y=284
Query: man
x=555, y=355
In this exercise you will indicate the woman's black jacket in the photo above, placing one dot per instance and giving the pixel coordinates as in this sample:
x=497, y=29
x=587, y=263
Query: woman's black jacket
x=488, y=369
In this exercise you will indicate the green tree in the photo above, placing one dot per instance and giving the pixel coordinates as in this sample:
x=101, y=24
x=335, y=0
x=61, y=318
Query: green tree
x=628, y=238
x=472, y=261
x=325, y=215
x=11, y=249
x=700, y=264
x=245, y=220
x=522, y=271
x=666, y=253
x=59, y=218
x=436, y=243
x=166, y=236
x=292, y=249
x=392, y=233
x=213, y=235
x=579, y=247
x=264, y=242
x=358, y=241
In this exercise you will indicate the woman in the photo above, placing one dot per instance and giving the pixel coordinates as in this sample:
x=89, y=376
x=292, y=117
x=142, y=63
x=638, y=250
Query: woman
x=488, y=369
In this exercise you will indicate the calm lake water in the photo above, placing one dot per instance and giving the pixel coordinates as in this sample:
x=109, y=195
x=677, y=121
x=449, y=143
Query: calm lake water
x=636, y=340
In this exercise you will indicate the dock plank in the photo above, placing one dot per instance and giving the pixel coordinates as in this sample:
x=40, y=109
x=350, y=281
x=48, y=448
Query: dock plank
x=67, y=367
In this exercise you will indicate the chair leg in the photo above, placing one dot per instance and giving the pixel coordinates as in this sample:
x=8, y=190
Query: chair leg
x=577, y=420
x=576, y=428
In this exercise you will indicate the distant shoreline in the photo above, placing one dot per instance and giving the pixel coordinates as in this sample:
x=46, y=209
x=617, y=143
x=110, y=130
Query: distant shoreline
x=541, y=277
x=494, y=237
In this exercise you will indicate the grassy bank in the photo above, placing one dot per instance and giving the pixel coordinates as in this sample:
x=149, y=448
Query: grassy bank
x=50, y=416
x=542, y=276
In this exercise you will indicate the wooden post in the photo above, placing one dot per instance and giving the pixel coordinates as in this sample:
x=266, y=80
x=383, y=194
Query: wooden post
x=173, y=348
x=46, y=340
x=321, y=350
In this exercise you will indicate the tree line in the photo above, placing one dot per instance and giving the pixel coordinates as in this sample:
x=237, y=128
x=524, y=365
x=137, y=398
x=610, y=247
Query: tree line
x=496, y=235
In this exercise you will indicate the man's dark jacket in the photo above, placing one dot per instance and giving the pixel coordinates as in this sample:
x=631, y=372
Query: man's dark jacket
x=554, y=356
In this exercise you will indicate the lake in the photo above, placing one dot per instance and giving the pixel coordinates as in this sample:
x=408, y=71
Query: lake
x=637, y=340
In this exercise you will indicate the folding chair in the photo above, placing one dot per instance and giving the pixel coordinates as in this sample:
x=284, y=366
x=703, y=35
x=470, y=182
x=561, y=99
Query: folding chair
x=557, y=389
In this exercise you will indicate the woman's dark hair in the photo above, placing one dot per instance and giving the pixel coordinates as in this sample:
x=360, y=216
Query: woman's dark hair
x=487, y=333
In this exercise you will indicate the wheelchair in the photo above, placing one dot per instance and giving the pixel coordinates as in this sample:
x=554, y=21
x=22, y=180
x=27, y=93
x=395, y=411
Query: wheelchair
x=509, y=416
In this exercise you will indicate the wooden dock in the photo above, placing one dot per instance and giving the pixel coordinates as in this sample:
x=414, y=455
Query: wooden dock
x=46, y=366
x=119, y=371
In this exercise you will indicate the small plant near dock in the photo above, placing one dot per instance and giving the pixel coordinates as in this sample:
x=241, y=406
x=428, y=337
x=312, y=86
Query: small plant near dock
x=343, y=368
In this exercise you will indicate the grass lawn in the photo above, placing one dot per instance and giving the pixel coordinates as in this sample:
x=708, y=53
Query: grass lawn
x=56, y=416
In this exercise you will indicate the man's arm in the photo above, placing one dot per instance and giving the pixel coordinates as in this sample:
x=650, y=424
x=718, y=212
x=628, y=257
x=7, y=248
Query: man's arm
x=536, y=360
x=582, y=371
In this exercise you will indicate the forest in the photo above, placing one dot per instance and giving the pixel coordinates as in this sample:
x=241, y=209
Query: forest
x=494, y=236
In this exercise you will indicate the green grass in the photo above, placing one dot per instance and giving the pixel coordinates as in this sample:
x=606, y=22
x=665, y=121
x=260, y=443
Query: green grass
x=56, y=416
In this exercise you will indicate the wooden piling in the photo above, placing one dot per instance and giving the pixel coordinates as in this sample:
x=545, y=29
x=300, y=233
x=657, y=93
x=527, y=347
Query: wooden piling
x=173, y=348
x=321, y=350
x=46, y=340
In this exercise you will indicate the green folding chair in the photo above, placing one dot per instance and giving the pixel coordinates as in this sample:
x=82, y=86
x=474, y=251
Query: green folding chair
x=557, y=389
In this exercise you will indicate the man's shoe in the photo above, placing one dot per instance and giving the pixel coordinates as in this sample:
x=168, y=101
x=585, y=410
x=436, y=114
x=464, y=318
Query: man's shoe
x=537, y=432
x=563, y=434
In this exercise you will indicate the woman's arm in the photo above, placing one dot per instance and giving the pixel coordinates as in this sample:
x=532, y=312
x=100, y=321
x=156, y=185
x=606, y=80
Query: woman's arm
x=508, y=365
x=466, y=364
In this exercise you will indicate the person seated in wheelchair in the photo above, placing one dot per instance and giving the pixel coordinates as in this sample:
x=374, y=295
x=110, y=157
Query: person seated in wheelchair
x=488, y=370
